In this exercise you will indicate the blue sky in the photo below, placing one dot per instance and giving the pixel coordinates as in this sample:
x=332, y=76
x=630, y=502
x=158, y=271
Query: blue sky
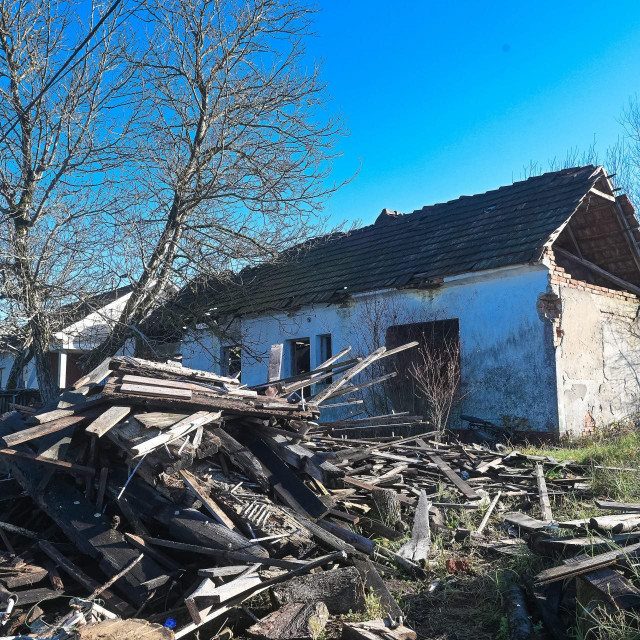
x=450, y=98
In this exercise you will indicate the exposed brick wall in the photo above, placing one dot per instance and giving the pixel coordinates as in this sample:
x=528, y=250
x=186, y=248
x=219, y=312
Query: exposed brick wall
x=550, y=307
x=560, y=277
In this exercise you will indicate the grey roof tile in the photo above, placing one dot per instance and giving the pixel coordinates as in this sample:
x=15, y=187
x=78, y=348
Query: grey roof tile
x=502, y=227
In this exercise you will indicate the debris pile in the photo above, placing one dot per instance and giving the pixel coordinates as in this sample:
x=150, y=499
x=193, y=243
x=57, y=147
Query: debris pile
x=162, y=499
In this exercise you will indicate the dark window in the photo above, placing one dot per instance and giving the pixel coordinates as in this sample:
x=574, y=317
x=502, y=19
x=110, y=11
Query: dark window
x=232, y=361
x=324, y=348
x=300, y=353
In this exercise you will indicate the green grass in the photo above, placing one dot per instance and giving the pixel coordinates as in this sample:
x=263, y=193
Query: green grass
x=611, y=447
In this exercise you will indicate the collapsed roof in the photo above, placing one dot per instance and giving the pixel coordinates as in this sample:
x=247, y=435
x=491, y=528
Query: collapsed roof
x=503, y=227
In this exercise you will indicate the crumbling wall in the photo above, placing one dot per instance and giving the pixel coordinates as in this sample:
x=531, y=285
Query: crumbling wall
x=598, y=356
x=507, y=355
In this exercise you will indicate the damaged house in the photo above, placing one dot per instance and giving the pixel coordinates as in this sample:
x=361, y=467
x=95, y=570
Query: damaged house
x=79, y=328
x=536, y=284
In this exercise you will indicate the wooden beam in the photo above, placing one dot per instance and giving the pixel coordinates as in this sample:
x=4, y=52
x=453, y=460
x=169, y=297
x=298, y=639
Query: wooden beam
x=220, y=554
x=599, y=270
x=629, y=235
x=601, y=194
x=202, y=494
x=69, y=467
x=40, y=430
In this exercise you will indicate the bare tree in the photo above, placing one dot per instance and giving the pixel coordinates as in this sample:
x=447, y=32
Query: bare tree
x=58, y=150
x=235, y=151
x=437, y=379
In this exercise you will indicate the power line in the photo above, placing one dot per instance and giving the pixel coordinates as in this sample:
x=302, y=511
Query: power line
x=60, y=72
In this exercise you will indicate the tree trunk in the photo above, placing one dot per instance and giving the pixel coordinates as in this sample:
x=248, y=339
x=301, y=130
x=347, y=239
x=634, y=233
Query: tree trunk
x=47, y=386
x=19, y=363
x=388, y=505
x=295, y=621
x=149, y=287
x=32, y=302
x=342, y=590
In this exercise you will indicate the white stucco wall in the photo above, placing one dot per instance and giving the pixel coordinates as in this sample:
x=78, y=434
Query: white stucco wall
x=598, y=360
x=507, y=358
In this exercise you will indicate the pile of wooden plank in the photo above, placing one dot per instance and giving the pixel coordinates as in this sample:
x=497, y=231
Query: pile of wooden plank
x=175, y=495
x=168, y=497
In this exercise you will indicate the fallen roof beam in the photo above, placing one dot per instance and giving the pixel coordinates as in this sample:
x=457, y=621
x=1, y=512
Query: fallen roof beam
x=599, y=270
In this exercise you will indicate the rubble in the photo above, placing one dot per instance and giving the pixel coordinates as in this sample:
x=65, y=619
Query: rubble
x=158, y=495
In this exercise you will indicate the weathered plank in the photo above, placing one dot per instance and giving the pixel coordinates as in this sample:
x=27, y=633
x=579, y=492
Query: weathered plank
x=107, y=420
x=155, y=391
x=525, y=522
x=451, y=475
x=614, y=588
x=586, y=565
x=417, y=548
x=31, y=433
x=545, y=506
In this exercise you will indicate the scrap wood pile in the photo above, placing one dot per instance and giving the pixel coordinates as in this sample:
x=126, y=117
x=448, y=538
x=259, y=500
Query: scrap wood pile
x=165, y=499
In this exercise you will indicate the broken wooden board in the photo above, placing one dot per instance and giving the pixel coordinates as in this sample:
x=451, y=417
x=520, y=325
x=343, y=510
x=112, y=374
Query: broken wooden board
x=200, y=602
x=525, y=522
x=417, y=548
x=454, y=478
x=587, y=565
x=21, y=574
x=203, y=495
x=613, y=587
x=31, y=433
x=107, y=420
x=545, y=506
x=60, y=465
x=95, y=375
x=611, y=505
